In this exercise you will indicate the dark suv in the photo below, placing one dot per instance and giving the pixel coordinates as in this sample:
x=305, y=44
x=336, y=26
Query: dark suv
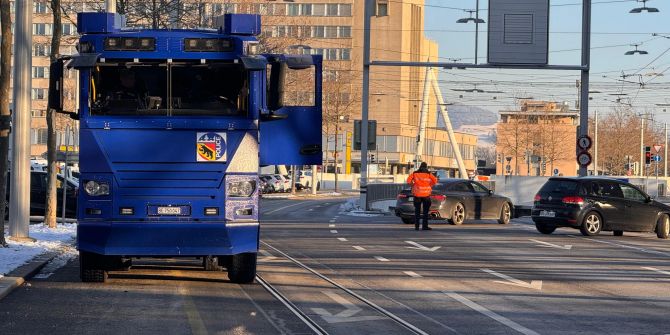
x=594, y=204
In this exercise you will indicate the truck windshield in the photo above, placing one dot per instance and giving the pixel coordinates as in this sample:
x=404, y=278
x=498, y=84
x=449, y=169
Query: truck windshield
x=169, y=89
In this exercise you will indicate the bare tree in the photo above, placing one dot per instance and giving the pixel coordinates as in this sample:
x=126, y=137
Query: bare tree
x=51, y=198
x=5, y=113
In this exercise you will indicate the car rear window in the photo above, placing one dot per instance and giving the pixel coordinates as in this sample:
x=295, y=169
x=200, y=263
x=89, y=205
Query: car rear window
x=560, y=187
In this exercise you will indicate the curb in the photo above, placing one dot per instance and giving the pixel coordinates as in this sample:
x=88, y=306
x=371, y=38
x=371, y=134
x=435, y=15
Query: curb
x=20, y=275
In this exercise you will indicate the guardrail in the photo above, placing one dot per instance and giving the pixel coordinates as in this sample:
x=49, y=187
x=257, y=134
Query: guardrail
x=383, y=191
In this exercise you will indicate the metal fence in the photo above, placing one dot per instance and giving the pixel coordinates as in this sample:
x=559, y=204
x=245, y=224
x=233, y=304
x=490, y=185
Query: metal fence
x=385, y=191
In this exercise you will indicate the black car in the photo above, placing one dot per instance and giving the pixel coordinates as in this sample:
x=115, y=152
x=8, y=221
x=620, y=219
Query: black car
x=595, y=204
x=38, y=194
x=456, y=200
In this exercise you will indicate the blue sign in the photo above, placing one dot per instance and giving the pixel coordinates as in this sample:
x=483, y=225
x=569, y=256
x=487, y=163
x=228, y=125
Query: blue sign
x=657, y=158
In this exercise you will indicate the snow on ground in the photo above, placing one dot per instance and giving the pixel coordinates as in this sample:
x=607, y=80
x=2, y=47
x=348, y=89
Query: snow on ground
x=352, y=208
x=59, y=240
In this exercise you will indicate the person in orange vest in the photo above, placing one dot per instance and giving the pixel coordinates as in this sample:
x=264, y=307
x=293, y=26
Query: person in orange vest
x=422, y=182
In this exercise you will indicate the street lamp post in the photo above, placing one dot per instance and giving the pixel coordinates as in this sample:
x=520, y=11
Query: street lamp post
x=477, y=21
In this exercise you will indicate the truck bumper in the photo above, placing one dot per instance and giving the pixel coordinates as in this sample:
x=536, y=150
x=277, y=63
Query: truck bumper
x=167, y=238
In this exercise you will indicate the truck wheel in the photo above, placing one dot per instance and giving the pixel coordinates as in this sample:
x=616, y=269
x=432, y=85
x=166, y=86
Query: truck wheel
x=92, y=267
x=242, y=268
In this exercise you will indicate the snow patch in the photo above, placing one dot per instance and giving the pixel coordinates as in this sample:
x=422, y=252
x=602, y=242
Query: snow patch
x=47, y=240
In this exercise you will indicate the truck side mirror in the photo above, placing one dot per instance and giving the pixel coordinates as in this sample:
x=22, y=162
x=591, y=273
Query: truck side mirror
x=56, y=88
x=276, y=88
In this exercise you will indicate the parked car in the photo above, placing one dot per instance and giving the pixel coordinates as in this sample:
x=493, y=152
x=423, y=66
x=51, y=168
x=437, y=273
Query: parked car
x=456, y=200
x=276, y=185
x=595, y=204
x=38, y=193
x=265, y=186
x=284, y=181
x=305, y=179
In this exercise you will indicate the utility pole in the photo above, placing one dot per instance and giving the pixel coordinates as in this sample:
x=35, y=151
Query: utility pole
x=586, y=64
x=476, y=31
x=365, y=103
x=423, y=121
x=595, y=142
x=19, y=210
x=642, y=162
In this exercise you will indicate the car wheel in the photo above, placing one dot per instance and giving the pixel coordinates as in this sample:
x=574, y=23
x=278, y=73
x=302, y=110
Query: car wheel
x=663, y=227
x=545, y=228
x=505, y=213
x=407, y=220
x=618, y=233
x=592, y=224
x=457, y=214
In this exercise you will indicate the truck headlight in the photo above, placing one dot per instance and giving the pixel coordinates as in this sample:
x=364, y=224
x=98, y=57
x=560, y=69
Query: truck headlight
x=240, y=189
x=94, y=188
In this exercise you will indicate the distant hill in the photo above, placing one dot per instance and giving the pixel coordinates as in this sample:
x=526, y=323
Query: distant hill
x=466, y=115
x=473, y=120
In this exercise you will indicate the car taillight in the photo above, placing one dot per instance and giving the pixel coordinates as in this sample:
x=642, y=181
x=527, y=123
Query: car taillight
x=438, y=197
x=537, y=198
x=402, y=196
x=573, y=200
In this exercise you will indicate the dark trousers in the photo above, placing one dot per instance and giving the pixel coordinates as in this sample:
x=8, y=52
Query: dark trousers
x=418, y=203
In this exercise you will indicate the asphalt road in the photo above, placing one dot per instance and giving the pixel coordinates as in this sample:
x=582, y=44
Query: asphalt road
x=478, y=278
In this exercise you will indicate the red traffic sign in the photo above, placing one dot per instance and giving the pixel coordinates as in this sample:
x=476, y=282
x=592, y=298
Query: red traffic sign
x=584, y=142
x=584, y=158
x=657, y=148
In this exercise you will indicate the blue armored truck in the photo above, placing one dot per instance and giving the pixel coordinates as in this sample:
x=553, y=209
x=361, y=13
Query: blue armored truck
x=174, y=125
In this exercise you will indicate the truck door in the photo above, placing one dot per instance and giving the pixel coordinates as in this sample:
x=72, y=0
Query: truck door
x=290, y=127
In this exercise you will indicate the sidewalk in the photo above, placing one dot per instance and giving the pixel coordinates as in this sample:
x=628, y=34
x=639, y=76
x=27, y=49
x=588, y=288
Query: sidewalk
x=23, y=260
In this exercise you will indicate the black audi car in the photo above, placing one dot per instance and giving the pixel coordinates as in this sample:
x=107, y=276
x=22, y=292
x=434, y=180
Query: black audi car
x=595, y=204
x=456, y=200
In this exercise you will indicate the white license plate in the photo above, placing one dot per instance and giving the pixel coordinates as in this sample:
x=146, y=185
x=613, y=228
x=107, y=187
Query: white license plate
x=548, y=214
x=169, y=210
x=410, y=199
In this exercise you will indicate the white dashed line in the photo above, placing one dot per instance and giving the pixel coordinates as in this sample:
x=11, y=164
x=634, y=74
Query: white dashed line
x=381, y=259
x=656, y=270
x=331, y=225
x=358, y=248
x=331, y=221
x=342, y=239
x=334, y=231
x=493, y=315
x=412, y=274
x=264, y=253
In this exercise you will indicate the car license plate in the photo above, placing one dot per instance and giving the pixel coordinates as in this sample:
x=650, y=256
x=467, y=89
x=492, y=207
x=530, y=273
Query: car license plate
x=548, y=214
x=169, y=210
x=410, y=198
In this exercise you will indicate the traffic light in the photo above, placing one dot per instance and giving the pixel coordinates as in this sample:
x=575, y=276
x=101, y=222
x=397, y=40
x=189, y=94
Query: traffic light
x=372, y=158
x=647, y=155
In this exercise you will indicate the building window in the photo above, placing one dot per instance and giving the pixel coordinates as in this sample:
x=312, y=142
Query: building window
x=382, y=8
x=38, y=94
x=40, y=72
x=40, y=8
x=306, y=9
x=331, y=9
x=345, y=10
x=319, y=9
x=39, y=136
x=69, y=29
x=344, y=31
x=67, y=50
x=318, y=31
x=38, y=113
x=345, y=54
x=42, y=29
x=41, y=50
x=331, y=31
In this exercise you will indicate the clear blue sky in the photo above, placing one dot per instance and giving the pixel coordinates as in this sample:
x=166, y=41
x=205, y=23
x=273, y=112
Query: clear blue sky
x=614, y=29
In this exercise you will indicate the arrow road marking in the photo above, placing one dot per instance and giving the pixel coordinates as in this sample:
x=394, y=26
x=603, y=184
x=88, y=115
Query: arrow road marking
x=334, y=231
x=656, y=270
x=551, y=245
x=347, y=315
x=418, y=246
x=412, y=274
x=534, y=284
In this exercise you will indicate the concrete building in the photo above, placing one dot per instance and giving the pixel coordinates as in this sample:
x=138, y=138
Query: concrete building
x=537, y=140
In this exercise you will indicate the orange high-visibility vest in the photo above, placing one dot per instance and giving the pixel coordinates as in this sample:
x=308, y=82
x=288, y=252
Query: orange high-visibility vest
x=422, y=183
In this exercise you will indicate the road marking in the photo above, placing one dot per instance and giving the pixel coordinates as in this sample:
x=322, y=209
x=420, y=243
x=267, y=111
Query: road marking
x=264, y=252
x=331, y=221
x=282, y=208
x=347, y=315
x=625, y=246
x=656, y=270
x=418, y=246
x=493, y=315
x=358, y=248
x=331, y=225
x=412, y=274
x=194, y=319
x=333, y=231
x=342, y=239
x=551, y=245
x=381, y=259
x=534, y=284
x=310, y=209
